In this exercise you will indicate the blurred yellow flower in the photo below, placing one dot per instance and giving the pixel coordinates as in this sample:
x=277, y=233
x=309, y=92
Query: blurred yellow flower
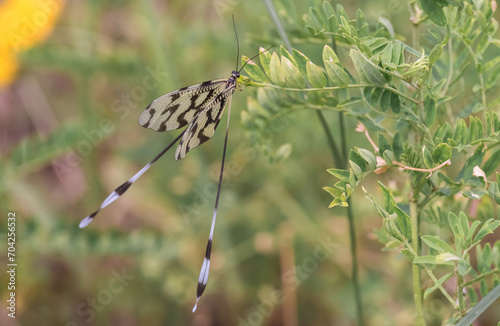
x=23, y=23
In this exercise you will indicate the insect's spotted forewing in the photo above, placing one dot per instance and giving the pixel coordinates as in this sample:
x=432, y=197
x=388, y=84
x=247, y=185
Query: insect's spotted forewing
x=203, y=126
x=176, y=109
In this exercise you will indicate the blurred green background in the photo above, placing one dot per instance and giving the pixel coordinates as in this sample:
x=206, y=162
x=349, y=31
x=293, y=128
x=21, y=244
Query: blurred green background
x=69, y=136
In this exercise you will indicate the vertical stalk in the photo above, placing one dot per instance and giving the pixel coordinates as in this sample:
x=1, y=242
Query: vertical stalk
x=415, y=18
x=342, y=161
x=417, y=287
x=354, y=271
x=460, y=294
x=339, y=160
x=352, y=230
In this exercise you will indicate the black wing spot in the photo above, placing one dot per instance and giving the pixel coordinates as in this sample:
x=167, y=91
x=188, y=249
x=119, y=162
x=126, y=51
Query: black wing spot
x=121, y=189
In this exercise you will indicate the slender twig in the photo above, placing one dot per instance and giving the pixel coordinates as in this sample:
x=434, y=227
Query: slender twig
x=482, y=276
x=460, y=294
x=417, y=287
x=352, y=226
x=415, y=17
x=281, y=31
x=362, y=128
x=337, y=156
x=431, y=170
x=354, y=258
x=415, y=255
x=333, y=88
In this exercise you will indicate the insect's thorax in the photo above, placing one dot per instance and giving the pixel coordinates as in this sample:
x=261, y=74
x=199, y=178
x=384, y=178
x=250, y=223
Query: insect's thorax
x=232, y=80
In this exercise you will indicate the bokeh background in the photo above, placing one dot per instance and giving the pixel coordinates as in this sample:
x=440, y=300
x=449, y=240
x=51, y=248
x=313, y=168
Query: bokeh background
x=74, y=79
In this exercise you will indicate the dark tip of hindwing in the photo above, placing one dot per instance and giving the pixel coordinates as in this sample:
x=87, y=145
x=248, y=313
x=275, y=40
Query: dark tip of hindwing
x=209, y=249
x=199, y=290
x=121, y=189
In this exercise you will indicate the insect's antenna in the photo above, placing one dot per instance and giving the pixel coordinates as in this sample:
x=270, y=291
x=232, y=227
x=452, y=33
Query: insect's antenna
x=237, y=43
x=266, y=50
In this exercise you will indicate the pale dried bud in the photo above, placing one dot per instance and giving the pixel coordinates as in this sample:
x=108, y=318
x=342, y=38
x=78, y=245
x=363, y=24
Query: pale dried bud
x=380, y=161
x=360, y=127
x=381, y=166
x=477, y=172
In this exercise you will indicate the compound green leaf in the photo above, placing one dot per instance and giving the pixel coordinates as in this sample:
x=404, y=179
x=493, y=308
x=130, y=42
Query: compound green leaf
x=366, y=69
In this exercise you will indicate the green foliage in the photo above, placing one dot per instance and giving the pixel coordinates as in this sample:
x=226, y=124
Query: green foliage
x=411, y=98
x=424, y=91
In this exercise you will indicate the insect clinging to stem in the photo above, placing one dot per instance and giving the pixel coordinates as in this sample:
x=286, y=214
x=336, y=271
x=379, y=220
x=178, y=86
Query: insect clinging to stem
x=199, y=107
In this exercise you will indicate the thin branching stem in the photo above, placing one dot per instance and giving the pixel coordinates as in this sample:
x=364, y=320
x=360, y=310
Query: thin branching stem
x=352, y=229
x=337, y=156
x=413, y=199
x=333, y=88
x=482, y=277
x=417, y=287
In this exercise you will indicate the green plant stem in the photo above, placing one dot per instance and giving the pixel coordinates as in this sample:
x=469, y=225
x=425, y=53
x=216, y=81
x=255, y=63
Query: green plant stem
x=281, y=31
x=414, y=214
x=343, y=139
x=415, y=254
x=417, y=288
x=333, y=88
x=441, y=288
x=342, y=161
x=350, y=216
x=460, y=294
x=354, y=271
x=352, y=229
x=338, y=158
x=483, y=276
